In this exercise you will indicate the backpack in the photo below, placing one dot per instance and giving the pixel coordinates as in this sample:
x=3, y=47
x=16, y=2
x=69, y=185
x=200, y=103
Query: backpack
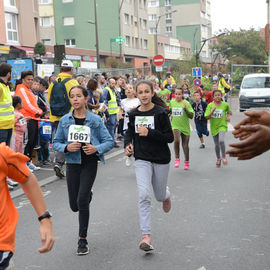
x=59, y=101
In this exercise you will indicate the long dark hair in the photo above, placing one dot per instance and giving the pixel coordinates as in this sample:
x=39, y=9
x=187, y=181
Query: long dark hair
x=155, y=99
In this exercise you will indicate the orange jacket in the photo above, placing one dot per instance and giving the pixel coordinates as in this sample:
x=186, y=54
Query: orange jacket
x=29, y=101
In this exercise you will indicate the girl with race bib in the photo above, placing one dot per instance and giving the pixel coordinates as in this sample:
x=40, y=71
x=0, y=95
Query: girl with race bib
x=181, y=112
x=82, y=136
x=149, y=132
x=218, y=112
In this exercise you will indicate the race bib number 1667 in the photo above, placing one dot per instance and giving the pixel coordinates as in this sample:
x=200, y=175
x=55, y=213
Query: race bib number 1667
x=77, y=133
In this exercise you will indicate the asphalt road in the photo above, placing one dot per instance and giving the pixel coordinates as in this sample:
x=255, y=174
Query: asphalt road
x=219, y=220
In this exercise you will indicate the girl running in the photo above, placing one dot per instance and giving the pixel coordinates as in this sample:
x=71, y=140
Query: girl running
x=82, y=136
x=149, y=132
x=218, y=112
x=181, y=113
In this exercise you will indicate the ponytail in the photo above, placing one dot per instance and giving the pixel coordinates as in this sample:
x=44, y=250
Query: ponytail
x=158, y=101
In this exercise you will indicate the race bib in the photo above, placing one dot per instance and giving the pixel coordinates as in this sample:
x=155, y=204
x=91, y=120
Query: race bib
x=47, y=130
x=217, y=114
x=22, y=121
x=77, y=133
x=146, y=121
x=177, y=111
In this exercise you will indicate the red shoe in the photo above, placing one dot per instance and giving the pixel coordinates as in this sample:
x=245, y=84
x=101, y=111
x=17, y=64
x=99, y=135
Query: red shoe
x=186, y=165
x=146, y=244
x=176, y=163
x=224, y=161
x=218, y=163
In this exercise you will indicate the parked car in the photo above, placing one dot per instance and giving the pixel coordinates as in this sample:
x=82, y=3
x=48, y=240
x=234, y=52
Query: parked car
x=254, y=91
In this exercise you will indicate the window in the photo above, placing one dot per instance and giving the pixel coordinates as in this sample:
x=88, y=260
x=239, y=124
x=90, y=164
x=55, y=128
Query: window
x=128, y=41
x=11, y=3
x=152, y=17
x=136, y=43
x=67, y=1
x=144, y=24
x=152, y=30
x=11, y=27
x=153, y=3
x=44, y=2
x=167, y=2
x=46, y=41
x=168, y=29
x=168, y=15
x=68, y=21
x=46, y=21
x=145, y=44
x=70, y=42
x=126, y=18
x=131, y=20
x=141, y=43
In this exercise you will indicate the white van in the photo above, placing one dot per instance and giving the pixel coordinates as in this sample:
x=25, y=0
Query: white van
x=254, y=91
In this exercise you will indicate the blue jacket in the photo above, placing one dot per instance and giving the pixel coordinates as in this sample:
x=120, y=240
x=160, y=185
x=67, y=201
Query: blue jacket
x=43, y=136
x=100, y=137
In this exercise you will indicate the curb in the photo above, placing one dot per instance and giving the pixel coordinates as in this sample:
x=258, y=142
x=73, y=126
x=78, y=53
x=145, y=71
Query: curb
x=19, y=192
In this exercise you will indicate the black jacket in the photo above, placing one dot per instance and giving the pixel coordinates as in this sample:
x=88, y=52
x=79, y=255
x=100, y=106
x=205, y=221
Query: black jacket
x=153, y=147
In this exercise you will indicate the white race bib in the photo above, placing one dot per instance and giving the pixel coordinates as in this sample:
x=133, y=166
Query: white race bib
x=145, y=121
x=177, y=111
x=47, y=130
x=22, y=121
x=217, y=114
x=77, y=133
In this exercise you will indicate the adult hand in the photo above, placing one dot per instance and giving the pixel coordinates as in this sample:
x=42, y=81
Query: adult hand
x=74, y=147
x=89, y=149
x=46, y=235
x=129, y=150
x=255, y=117
x=143, y=131
x=257, y=143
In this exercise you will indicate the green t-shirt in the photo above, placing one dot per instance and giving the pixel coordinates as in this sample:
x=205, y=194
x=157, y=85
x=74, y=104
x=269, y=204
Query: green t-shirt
x=218, y=120
x=180, y=119
x=163, y=94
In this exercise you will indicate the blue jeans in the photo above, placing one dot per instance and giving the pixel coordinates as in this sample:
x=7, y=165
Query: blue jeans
x=111, y=124
x=5, y=135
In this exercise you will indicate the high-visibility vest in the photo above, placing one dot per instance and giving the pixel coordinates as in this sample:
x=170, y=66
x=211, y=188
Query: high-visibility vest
x=7, y=116
x=221, y=87
x=112, y=103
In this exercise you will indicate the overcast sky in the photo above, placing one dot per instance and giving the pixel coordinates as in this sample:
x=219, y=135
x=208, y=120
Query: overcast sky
x=235, y=14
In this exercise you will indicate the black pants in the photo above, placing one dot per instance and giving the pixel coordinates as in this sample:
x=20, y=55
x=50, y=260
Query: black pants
x=32, y=137
x=44, y=149
x=80, y=179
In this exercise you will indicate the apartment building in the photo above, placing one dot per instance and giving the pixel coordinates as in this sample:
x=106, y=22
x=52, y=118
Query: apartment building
x=19, y=28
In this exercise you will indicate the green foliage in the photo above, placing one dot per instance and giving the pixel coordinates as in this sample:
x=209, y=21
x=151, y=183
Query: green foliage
x=245, y=46
x=40, y=49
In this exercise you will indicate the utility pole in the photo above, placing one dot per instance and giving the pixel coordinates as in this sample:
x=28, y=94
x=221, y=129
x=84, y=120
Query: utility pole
x=120, y=33
x=96, y=28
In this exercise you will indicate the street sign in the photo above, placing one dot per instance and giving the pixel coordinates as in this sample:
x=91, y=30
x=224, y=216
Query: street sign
x=197, y=82
x=120, y=40
x=158, y=60
x=197, y=72
x=159, y=68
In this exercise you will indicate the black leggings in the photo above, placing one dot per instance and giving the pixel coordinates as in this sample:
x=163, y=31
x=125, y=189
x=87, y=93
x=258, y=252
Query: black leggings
x=32, y=137
x=80, y=179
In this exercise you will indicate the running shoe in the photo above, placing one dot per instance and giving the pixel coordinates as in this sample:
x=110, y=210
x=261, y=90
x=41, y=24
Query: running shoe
x=83, y=248
x=218, y=163
x=167, y=205
x=59, y=171
x=202, y=146
x=176, y=163
x=37, y=147
x=32, y=167
x=128, y=161
x=224, y=161
x=12, y=183
x=46, y=163
x=146, y=244
x=10, y=188
x=186, y=165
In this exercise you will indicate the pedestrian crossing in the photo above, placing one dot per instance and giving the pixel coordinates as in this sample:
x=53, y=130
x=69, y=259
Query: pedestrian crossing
x=193, y=128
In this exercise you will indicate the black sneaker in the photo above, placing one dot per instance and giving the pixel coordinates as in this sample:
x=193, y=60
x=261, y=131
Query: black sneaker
x=59, y=171
x=83, y=248
x=202, y=146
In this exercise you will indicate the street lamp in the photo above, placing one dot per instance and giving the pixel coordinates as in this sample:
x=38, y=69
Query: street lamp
x=156, y=27
x=96, y=30
x=204, y=41
x=120, y=31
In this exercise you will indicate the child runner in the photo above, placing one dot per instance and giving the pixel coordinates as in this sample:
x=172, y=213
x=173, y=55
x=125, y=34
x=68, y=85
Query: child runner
x=181, y=113
x=199, y=108
x=219, y=114
x=164, y=94
x=82, y=136
x=149, y=132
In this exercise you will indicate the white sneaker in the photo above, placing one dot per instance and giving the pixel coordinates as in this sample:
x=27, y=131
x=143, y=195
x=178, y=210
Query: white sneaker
x=31, y=166
x=128, y=161
x=12, y=183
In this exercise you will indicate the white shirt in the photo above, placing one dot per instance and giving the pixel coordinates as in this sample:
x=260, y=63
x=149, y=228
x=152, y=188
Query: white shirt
x=128, y=104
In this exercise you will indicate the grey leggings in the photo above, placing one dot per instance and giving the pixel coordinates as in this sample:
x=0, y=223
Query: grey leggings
x=185, y=141
x=219, y=141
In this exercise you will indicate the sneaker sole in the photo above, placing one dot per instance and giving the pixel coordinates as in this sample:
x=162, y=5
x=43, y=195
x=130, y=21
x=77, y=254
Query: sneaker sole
x=58, y=172
x=146, y=247
x=82, y=253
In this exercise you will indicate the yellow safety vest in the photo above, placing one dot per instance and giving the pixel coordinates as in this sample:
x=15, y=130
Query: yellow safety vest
x=112, y=103
x=221, y=87
x=7, y=117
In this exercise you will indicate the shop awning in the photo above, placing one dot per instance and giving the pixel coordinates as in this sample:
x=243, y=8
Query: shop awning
x=28, y=50
x=4, y=50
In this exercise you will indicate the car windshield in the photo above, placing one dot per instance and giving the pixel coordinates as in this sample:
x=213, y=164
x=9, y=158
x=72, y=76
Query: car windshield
x=256, y=82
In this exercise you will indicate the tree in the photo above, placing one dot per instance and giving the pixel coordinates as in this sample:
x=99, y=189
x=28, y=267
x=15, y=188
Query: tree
x=246, y=45
x=40, y=49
